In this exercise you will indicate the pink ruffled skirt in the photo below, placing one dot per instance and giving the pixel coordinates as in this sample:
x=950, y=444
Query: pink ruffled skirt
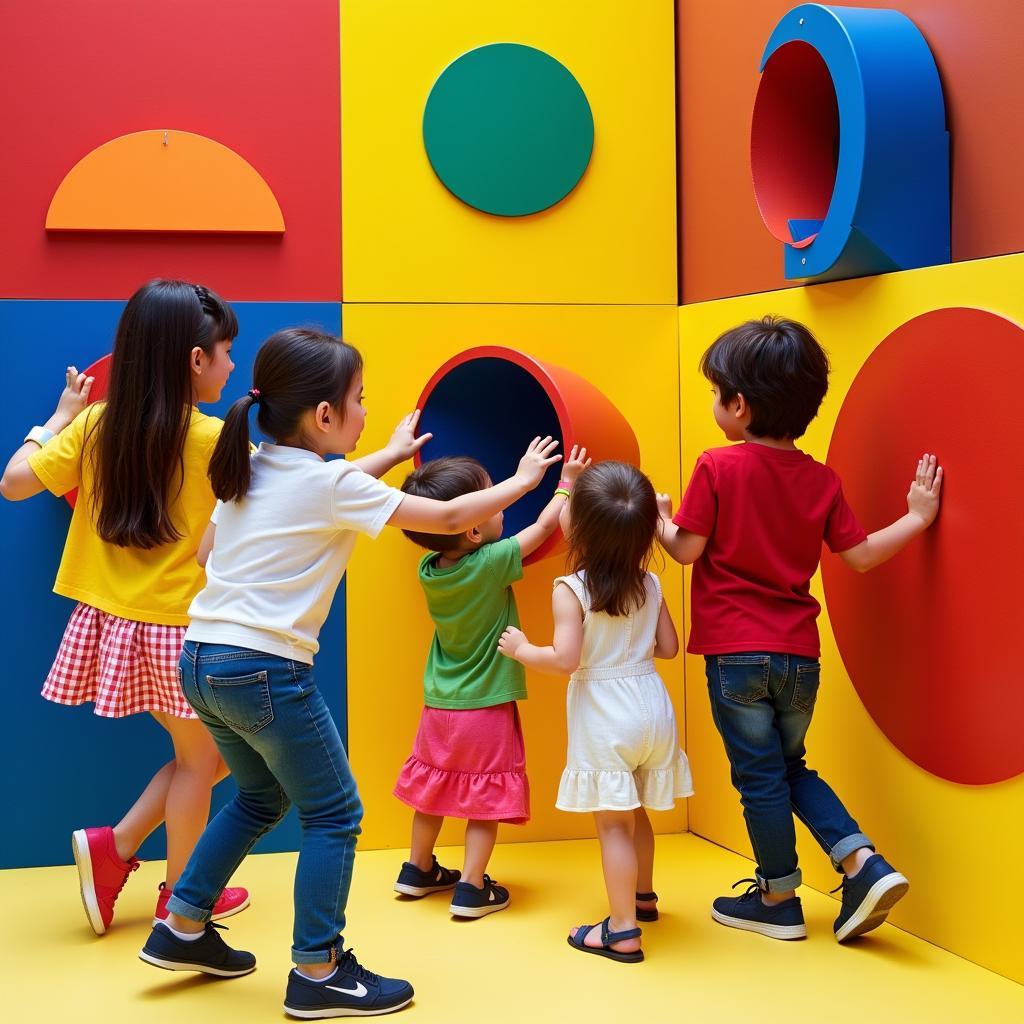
x=468, y=764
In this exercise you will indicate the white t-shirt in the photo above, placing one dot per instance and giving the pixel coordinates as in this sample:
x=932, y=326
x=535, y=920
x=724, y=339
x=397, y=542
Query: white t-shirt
x=279, y=553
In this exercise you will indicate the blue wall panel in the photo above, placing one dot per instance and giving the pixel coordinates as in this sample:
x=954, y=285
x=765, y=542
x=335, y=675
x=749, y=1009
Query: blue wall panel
x=65, y=768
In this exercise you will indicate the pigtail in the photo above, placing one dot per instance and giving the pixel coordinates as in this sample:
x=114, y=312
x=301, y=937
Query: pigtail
x=294, y=370
x=229, y=471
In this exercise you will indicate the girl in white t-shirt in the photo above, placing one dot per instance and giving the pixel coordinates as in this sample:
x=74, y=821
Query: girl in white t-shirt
x=623, y=752
x=274, y=554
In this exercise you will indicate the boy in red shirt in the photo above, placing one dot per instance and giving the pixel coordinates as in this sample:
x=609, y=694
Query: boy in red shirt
x=753, y=520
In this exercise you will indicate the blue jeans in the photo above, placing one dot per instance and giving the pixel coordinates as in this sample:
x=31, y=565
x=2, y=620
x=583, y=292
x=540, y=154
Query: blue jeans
x=762, y=705
x=277, y=736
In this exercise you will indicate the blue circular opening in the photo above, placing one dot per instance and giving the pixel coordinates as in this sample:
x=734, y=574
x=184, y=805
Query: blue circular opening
x=491, y=409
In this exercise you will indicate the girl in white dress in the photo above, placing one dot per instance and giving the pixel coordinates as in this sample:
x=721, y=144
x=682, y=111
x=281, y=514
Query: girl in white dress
x=623, y=752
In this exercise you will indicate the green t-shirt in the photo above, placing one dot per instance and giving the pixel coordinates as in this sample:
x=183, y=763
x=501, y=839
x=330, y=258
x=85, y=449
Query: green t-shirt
x=472, y=604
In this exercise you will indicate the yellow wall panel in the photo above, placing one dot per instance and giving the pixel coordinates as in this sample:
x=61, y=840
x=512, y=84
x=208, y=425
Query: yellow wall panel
x=950, y=840
x=389, y=630
x=407, y=239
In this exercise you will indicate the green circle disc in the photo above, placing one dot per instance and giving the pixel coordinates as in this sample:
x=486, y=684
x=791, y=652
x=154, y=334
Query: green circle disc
x=508, y=129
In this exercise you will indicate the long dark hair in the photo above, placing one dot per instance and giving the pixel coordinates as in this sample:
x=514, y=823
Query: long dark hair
x=613, y=517
x=295, y=370
x=137, y=459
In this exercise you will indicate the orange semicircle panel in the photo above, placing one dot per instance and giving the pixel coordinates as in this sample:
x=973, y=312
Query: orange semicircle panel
x=164, y=181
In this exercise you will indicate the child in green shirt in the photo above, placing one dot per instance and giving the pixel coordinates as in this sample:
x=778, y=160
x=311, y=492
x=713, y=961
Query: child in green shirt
x=468, y=760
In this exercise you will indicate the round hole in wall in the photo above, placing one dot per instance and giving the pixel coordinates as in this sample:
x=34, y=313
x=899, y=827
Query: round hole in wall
x=490, y=402
x=794, y=143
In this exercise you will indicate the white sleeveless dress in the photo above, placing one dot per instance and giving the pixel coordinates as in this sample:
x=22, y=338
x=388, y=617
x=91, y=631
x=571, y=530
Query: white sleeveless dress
x=623, y=749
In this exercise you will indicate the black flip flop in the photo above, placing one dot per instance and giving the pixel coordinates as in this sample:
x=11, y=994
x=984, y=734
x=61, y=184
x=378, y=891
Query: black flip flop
x=578, y=937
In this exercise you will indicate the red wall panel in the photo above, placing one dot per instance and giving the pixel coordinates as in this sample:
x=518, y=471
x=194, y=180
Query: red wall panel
x=259, y=76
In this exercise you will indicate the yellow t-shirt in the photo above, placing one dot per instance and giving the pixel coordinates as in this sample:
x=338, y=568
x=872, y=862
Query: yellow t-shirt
x=148, y=586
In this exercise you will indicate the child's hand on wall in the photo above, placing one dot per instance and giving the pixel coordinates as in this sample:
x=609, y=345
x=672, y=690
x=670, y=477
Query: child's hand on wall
x=535, y=462
x=664, y=505
x=74, y=398
x=404, y=443
x=575, y=464
x=924, y=495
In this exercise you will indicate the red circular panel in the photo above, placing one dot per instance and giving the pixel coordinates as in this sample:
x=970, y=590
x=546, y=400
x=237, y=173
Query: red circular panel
x=926, y=637
x=794, y=136
x=101, y=371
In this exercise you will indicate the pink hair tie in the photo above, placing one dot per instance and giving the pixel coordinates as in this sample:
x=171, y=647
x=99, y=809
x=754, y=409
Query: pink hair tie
x=254, y=394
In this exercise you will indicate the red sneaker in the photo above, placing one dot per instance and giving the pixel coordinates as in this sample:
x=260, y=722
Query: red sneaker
x=232, y=901
x=101, y=873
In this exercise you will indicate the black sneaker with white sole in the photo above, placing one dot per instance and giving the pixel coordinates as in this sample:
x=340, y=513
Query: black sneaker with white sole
x=414, y=882
x=351, y=991
x=868, y=897
x=209, y=954
x=749, y=912
x=469, y=901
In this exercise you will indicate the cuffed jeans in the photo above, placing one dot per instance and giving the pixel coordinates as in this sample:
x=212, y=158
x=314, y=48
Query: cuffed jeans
x=280, y=742
x=762, y=705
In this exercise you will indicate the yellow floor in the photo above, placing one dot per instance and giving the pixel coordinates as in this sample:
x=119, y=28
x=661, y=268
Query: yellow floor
x=513, y=966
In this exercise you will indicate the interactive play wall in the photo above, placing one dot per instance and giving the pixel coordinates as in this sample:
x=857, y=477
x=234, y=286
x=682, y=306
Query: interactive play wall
x=533, y=217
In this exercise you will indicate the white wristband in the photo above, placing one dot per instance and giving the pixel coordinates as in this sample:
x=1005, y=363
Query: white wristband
x=40, y=435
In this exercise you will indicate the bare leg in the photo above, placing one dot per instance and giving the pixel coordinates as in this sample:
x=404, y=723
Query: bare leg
x=643, y=843
x=197, y=766
x=147, y=813
x=615, y=831
x=480, y=837
x=425, y=829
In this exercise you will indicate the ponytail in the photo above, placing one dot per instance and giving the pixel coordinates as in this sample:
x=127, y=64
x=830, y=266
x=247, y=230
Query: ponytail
x=295, y=370
x=229, y=466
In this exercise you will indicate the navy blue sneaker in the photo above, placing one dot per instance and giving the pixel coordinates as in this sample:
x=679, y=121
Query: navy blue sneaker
x=868, y=897
x=413, y=882
x=351, y=991
x=781, y=921
x=209, y=954
x=469, y=901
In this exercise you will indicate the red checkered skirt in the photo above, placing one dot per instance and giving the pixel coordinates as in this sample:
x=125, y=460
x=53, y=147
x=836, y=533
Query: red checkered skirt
x=122, y=666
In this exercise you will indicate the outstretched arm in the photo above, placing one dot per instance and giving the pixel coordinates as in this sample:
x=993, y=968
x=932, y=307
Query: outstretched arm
x=430, y=516
x=536, y=533
x=922, y=508
x=562, y=658
x=404, y=444
x=19, y=481
x=683, y=546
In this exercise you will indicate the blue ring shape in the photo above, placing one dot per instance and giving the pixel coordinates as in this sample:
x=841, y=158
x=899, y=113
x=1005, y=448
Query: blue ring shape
x=890, y=207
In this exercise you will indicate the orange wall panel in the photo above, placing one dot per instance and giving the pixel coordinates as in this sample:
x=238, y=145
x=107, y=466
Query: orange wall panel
x=725, y=249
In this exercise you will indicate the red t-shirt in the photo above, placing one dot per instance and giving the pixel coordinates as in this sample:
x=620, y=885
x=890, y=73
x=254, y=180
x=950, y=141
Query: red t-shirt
x=765, y=512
